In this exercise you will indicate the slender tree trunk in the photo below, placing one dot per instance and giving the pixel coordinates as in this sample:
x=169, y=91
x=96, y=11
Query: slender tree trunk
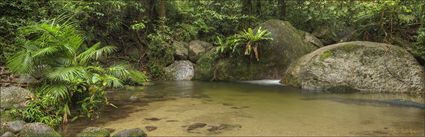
x=258, y=8
x=246, y=10
x=422, y=21
x=246, y=7
x=161, y=12
x=282, y=8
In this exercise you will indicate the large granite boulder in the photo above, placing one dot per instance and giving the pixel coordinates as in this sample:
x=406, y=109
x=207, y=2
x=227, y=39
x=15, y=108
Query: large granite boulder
x=288, y=44
x=197, y=48
x=14, y=97
x=180, y=70
x=38, y=130
x=358, y=66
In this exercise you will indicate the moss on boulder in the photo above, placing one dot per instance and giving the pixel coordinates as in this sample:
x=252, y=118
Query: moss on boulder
x=288, y=44
x=94, y=132
x=38, y=130
x=358, y=65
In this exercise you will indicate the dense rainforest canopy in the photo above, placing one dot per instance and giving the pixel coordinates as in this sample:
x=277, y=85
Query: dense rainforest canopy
x=78, y=44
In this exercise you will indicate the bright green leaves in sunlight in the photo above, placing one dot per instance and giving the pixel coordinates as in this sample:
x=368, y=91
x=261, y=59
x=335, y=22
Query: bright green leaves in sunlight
x=69, y=71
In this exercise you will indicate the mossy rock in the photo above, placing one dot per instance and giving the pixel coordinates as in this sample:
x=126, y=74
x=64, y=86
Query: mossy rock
x=204, y=68
x=38, y=130
x=94, y=132
x=288, y=44
x=357, y=66
x=135, y=132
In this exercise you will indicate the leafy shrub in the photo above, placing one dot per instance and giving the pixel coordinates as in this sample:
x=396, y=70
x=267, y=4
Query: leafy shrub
x=69, y=71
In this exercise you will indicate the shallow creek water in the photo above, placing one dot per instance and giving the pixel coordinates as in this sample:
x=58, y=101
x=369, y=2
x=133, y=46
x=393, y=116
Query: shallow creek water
x=190, y=108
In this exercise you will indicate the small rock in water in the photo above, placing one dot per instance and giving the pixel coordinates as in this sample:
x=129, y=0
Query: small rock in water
x=195, y=126
x=110, y=129
x=151, y=128
x=153, y=119
x=240, y=107
x=227, y=104
x=172, y=121
x=133, y=98
x=223, y=127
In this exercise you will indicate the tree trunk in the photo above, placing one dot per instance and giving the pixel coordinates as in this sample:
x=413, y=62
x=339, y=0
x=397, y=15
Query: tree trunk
x=282, y=9
x=161, y=12
x=246, y=7
x=258, y=8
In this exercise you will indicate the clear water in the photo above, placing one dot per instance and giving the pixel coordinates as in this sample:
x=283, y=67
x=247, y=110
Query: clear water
x=244, y=109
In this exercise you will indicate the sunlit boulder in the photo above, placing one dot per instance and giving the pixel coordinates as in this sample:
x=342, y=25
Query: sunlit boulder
x=359, y=66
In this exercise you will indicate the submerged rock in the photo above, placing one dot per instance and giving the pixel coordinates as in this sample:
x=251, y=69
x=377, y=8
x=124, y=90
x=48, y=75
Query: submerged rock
x=94, y=132
x=288, y=44
x=362, y=66
x=153, y=119
x=195, y=126
x=135, y=132
x=150, y=128
x=197, y=48
x=180, y=70
x=14, y=97
x=38, y=130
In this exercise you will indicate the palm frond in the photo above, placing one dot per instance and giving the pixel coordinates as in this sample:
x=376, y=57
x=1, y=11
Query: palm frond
x=21, y=62
x=44, y=51
x=112, y=81
x=95, y=53
x=67, y=74
x=58, y=91
x=138, y=76
x=120, y=71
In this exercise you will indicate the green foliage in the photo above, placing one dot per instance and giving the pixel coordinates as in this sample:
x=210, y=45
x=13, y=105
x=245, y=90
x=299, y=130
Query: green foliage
x=419, y=48
x=70, y=72
x=249, y=39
